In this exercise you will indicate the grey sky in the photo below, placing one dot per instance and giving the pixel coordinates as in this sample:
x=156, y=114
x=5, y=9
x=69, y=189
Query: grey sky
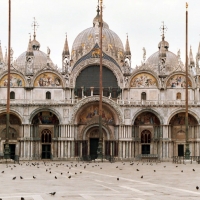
x=141, y=19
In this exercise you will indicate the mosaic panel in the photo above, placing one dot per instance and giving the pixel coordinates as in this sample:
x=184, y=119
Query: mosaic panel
x=15, y=81
x=143, y=80
x=178, y=81
x=48, y=80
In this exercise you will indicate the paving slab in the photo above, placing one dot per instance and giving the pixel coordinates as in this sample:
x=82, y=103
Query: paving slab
x=99, y=181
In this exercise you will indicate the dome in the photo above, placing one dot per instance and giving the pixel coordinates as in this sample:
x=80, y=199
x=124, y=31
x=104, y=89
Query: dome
x=40, y=60
x=86, y=40
x=171, y=61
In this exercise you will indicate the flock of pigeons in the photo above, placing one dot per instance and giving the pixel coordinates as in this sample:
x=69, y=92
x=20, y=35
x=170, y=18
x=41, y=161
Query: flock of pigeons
x=48, y=166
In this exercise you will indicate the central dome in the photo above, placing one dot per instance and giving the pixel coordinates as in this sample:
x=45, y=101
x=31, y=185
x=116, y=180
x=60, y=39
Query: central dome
x=86, y=40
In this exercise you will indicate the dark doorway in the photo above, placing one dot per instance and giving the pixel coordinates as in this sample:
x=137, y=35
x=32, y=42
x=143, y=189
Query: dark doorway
x=93, y=147
x=12, y=150
x=46, y=151
x=145, y=149
x=180, y=150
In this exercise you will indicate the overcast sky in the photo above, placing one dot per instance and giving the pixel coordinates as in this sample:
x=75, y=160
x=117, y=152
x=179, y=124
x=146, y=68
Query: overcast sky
x=141, y=19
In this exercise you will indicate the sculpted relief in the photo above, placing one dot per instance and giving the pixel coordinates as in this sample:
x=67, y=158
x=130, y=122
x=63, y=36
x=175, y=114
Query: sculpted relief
x=178, y=81
x=15, y=81
x=48, y=80
x=143, y=80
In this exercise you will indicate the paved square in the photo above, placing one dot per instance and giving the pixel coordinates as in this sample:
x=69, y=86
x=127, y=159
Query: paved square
x=99, y=181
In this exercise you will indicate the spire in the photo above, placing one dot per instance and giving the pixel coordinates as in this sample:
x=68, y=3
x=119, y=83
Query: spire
x=191, y=58
x=127, y=47
x=1, y=54
x=35, y=26
x=163, y=45
x=66, y=48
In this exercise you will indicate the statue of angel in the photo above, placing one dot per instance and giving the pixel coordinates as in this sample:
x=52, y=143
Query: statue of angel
x=144, y=54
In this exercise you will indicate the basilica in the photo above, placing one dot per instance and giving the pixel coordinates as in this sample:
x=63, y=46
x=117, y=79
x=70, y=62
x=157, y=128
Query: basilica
x=54, y=112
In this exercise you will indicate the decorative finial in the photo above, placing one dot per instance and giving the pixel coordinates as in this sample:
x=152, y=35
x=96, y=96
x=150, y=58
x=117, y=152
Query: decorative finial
x=98, y=10
x=35, y=26
x=163, y=29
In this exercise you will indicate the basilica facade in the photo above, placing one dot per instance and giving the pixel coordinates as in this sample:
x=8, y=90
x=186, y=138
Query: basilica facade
x=54, y=112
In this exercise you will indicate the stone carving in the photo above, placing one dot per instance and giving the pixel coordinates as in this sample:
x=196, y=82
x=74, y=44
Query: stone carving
x=144, y=54
x=96, y=53
x=127, y=114
x=66, y=64
x=162, y=65
x=144, y=80
x=65, y=113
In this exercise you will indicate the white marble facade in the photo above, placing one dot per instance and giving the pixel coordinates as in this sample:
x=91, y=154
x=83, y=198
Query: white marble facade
x=51, y=119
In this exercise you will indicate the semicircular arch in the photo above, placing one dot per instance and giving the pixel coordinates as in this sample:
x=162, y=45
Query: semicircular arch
x=118, y=117
x=143, y=79
x=193, y=114
x=16, y=79
x=95, y=61
x=149, y=111
x=177, y=80
x=48, y=79
x=53, y=111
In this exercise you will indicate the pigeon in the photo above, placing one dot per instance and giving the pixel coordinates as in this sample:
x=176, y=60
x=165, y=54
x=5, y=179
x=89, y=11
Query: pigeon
x=52, y=193
x=22, y=198
x=154, y=170
x=21, y=177
x=193, y=170
x=14, y=178
x=181, y=170
x=197, y=187
x=137, y=170
x=118, y=179
x=34, y=177
x=69, y=176
x=141, y=176
x=75, y=173
x=55, y=177
x=2, y=172
x=61, y=173
x=117, y=167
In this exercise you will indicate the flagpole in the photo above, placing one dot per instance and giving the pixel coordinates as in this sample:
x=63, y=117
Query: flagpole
x=100, y=145
x=187, y=150
x=7, y=149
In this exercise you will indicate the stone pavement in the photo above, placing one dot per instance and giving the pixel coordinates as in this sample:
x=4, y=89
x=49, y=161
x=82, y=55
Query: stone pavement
x=99, y=181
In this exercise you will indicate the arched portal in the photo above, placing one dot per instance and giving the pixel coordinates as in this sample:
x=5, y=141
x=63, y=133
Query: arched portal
x=14, y=131
x=178, y=133
x=45, y=125
x=147, y=131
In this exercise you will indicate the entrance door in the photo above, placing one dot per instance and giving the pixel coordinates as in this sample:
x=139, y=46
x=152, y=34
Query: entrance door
x=46, y=151
x=146, y=149
x=12, y=151
x=93, y=147
x=180, y=150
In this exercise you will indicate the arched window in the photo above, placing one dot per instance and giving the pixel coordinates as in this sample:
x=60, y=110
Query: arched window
x=46, y=136
x=12, y=95
x=146, y=136
x=143, y=96
x=48, y=95
x=178, y=96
